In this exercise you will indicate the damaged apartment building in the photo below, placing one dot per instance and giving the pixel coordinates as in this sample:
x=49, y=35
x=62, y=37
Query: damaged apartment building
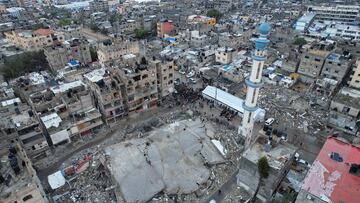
x=345, y=110
x=66, y=111
x=18, y=179
x=130, y=88
x=60, y=55
x=18, y=123
x=107, y=91
x=115, y=48
x=312, y=60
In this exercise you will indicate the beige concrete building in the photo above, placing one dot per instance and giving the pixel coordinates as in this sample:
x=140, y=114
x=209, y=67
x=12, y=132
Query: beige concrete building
x=108, y=90
x=312, y=60
x=18, y=122
x=345, y=110
x=141, y=86
x=60, y=55
x=116, y=49
x=165, y=77
x=336, y=66
x=33, y=40
x=224, y=55
x=355, y=76
x=21, y=182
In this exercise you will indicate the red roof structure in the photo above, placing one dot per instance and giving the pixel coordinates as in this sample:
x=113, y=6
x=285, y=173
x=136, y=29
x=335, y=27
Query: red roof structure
x=329, y=177
x=43, y=31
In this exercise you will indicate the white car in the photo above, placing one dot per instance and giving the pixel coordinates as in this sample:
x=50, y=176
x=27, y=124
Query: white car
x=193, y=81
x=190, y=74
x=182, y=71
x=269, y=121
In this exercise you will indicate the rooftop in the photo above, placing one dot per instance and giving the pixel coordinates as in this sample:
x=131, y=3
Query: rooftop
x=348, y=96
x=66, y=86
x=331, y=179
x=277, y=156
x=51, y=120
x=43, y=31
x=96, y=75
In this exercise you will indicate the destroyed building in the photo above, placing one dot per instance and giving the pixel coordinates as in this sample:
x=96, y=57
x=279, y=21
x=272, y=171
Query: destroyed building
x=18, y=179
x=18, y=122
x=174, y=159
x=58, y=56
x=85, y=118
x=336, y=66
x=279, y=155
x=312, y=60
x=344, y=110
x=107, y=90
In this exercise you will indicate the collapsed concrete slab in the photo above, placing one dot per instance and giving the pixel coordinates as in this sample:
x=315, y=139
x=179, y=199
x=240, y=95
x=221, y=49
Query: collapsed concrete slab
x=172, y=159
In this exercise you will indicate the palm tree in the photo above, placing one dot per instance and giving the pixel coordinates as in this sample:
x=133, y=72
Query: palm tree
x=263, y=170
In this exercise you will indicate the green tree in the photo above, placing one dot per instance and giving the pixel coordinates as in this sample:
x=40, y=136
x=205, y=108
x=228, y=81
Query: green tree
x=93, y=54
x=115, y=17
x=23, y=63
x=141, y=33
x=213, y=13
x=263, y=170
x=300, y=41
x=64, y=22
x=94, y=27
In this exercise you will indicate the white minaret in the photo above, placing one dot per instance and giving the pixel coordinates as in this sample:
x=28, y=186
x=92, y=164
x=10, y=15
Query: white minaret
x=254, y=83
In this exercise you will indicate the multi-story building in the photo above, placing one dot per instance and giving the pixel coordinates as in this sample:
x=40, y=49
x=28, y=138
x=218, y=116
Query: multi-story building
x=312, y=60
x=115, y=49
x=165, y=72
x=345, y=110
x=84, y=117
x=336, y=66
x=197, y=39
x=338, y=13
x=60, y=55
x=30, y=134
x=197, y=19
x=18, y=122
x=33, y=40
x=108, y=91
x=19, y=180
x=129, y=26
x=99, y=6
x=165, y=27
x=230, y=40
x=355, y=76
x=224, y=55
x=141, y=86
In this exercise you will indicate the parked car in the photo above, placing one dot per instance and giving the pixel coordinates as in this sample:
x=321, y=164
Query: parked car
x=190, y=74
x=269, y=121
x=182, y=71
x=193, y=81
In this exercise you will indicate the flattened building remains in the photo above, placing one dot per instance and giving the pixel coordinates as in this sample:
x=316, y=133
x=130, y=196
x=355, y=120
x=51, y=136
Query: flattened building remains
x=173, y=159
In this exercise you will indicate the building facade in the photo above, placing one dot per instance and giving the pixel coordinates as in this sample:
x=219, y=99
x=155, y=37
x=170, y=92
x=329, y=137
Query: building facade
x=115, y=49
x=355, y=76
x=61, y=55
x=165, y=27
x=338, y=13
x=33, y=40
x=336, y=66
